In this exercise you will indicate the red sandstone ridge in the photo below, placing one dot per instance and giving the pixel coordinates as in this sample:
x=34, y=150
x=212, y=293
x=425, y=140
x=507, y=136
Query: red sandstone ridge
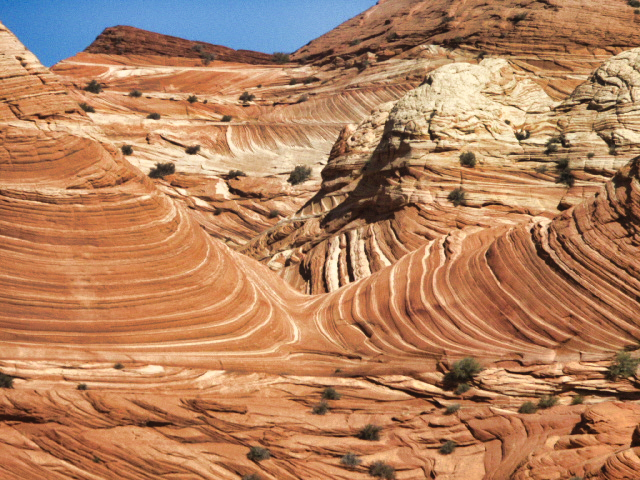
x=125, y=40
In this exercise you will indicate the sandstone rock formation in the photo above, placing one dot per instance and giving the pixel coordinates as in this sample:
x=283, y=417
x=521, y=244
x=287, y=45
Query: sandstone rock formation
x=386, y=187
x=216, y=354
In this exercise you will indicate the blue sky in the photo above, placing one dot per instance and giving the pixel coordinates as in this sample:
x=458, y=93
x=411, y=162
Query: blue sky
x=58, y=29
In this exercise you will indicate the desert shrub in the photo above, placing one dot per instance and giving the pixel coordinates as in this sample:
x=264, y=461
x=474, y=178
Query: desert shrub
x=462, y=388
x=192, y=150
x=551, y=148
x=197, y=48
x=257, y=454
x=451, y=409
x=350, y=460
x=162, y=169
x=612, y=150
x=562, y=164
x=207, y=58
x=153, y=116
x=448, y=447
x=577, y=400
x=96, y=459
x=370, y=432
x=192, y=99
x=251, y=476
x=363, y=65
x=274, y=213
x=281, y=57
x=548, y=401
x=126, y=149
x=303, y=98
x=93, y=87
x=236, y=173
x=454, y=42
x=310, y=80
x=118, y=366
x=463, y=371
x=227, y=118
x=633, y=3
x=541, y=169
x=82, y=386
x=523, y=134
x=517, y=18
x=591, y=155
x=247, y=97
x=393, y=36
x=576, y=478
x=6, y=381
x=135, y=93
x=293, y=81
x=566, y=177
x=468, y=159
x=300, y=174
x=457, y=196
x=528, y=407
x=382, y=470
x=87, y=108
x=636, y=11
x=330, y=393
x=355, y=42
x=320, y=408
x=623, y=366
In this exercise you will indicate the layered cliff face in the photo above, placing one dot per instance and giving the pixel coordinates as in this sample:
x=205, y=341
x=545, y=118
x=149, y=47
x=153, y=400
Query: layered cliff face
x=388, y=186
x=100, y=264
x=555, y=40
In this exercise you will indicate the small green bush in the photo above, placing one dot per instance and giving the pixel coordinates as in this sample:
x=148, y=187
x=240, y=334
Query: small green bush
x=227, y=118
x=330, y=393
x=274, y=213
x=303, y=98
x=321, y=408
x=6, y=381
x=293, y=81
x=153, y=116
x=468, y=159
x=93, y=87
x=192, y=99
x=135, y=93
x=566, y=177
x=192, y=150
x=547, y=402
x=258, y=454
x=541, y=169
x=576, y=478
x=350, y=460
x=127, y=149
x=457, y=196
x=162, y=170
x=517, y=18
x=552, y=148
x=463, y=371
x=310, y=80
x=300, y=174
x=207, y=58
x=623, y=366
x=82, y=386
x=280, y=57
x=247, y=97
x=451, y=409
x=562, y=164
x=197, y=48
x=462, y=388
x=355, y=42
x=448, y=447
x=236, y=174
x=528, y=407
x=87, y=108
x=577, y=400
x=392, y=37
x=523, y=135
x=382, y=470
x=118, y=366
x=633, y=3
x=591, y=155
x=370, y=432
